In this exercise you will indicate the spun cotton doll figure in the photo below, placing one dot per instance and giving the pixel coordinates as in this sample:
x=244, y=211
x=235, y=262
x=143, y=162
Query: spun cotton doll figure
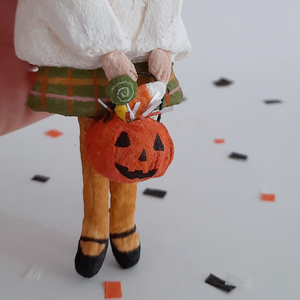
x=79, y=46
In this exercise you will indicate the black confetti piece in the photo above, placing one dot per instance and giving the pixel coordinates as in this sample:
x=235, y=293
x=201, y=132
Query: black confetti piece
x=219, y=283
x=274, y=101
x=235, y=155
x=155, y=193
x=223, y=82
x=40, y=178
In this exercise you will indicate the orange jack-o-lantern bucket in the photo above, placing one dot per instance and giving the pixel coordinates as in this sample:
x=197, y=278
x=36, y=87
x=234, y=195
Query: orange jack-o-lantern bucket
x=130, y=149
x=129, y=152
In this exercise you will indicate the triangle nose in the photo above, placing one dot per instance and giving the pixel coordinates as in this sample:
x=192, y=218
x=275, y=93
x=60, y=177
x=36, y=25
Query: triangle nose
x=143, y=156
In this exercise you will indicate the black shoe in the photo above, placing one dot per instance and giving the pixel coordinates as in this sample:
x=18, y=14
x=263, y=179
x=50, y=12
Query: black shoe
x=89, y=266
x=125, y=259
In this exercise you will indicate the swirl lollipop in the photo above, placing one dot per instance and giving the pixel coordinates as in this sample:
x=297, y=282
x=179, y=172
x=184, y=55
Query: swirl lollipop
x=122, y=90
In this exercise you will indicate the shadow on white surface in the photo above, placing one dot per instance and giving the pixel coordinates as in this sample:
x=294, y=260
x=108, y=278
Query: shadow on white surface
x=32, y=244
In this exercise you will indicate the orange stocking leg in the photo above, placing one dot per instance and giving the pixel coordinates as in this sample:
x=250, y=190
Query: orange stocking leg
x=124, y=238
x=94, y=237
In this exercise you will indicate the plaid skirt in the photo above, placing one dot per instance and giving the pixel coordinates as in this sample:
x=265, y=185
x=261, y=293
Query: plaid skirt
x=75, y=92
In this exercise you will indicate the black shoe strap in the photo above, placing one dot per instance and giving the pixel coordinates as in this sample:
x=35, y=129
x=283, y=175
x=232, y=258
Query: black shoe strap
x=123, y=234
x=88, y=239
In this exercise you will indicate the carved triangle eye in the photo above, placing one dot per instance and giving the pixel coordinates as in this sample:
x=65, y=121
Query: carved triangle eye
x=158, y=145
x=123, y=140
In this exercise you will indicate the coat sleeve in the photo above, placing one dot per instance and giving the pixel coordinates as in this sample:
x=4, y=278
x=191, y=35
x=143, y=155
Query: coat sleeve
x=163, y=28
x=89, y=28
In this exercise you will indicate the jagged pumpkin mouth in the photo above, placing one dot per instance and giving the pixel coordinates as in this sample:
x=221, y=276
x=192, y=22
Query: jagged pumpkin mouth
x=137, y=174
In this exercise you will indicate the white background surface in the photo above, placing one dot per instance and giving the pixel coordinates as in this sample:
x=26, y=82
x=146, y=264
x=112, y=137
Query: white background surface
x=212, y=219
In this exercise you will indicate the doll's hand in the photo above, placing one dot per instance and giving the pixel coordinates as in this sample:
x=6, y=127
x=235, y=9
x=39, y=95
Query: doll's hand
x=116, y=63
x=160, y=64
x=15, y=77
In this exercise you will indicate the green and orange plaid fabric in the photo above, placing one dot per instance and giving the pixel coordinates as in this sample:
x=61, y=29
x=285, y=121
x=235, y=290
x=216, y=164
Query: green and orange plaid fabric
x=75, y=92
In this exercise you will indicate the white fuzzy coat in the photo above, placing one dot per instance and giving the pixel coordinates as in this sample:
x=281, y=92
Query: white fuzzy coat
x=75, y=33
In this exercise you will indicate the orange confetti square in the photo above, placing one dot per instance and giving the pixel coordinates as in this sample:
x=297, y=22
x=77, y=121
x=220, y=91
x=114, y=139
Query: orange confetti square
x=268, y=197
x=219, y=141
x=54, y=133
x=112, y=289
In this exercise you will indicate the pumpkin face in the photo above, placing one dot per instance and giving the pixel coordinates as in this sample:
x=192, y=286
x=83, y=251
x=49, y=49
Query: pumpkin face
x=129, y=152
